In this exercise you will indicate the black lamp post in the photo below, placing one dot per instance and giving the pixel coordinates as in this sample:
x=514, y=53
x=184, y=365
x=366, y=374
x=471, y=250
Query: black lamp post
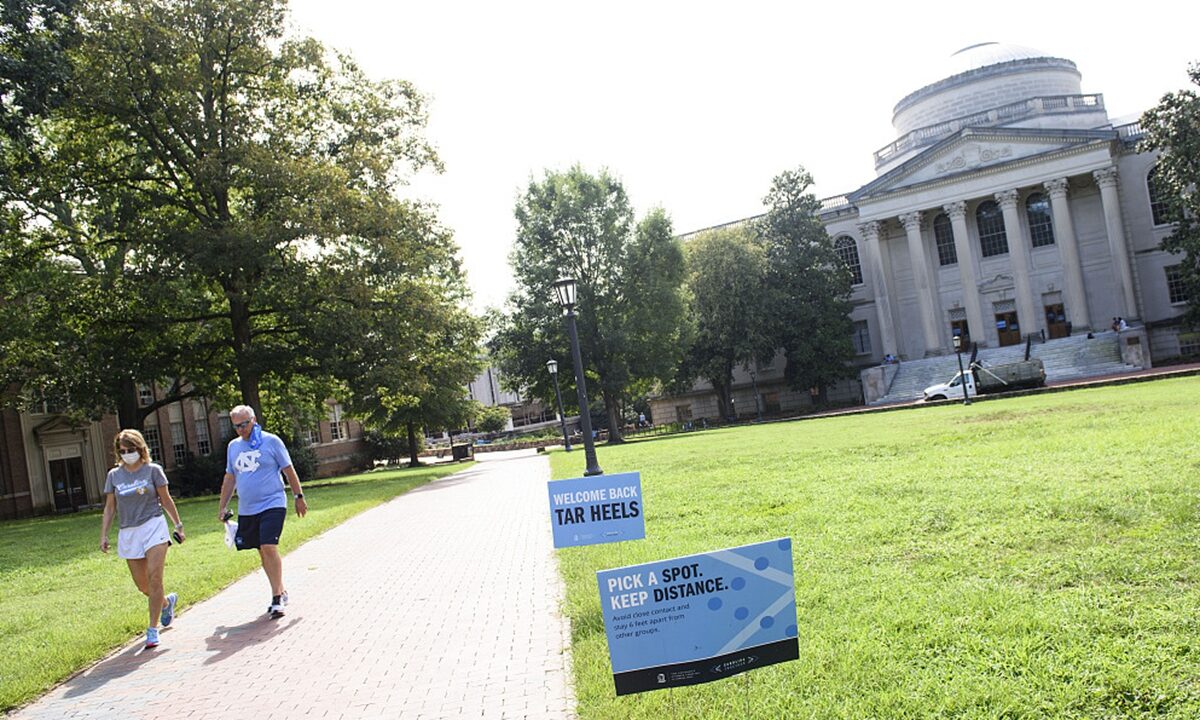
x=757, y=400
x=552, y=366
x=565, y=289
x=962, y=378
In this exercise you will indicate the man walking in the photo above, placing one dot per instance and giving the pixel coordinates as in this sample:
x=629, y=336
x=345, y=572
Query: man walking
x=253, y=463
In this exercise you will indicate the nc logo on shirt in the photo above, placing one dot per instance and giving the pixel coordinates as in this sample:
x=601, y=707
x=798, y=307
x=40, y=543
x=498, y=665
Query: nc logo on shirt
x=247, y=461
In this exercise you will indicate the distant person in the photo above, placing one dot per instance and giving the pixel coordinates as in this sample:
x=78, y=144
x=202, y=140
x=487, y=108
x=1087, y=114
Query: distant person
x=641, y=419
x=253, y=463
x=136, y=490
x=1122, y=325
x=1116, y=324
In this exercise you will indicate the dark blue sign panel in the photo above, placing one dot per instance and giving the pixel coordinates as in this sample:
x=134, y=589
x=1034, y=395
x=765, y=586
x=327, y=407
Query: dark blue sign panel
x=597, y=509
x=700, y=618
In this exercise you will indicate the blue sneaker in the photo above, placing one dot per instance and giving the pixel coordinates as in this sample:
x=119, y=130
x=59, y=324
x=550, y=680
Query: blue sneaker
x=168, y=611
x=151, y=638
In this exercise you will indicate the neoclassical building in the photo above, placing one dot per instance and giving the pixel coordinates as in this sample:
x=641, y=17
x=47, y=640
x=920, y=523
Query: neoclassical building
x=1009, y=204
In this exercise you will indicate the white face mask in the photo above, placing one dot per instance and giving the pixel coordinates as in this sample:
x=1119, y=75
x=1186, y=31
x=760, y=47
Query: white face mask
x=130, y=458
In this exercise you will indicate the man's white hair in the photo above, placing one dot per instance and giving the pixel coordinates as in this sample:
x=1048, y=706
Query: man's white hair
x=242, y=410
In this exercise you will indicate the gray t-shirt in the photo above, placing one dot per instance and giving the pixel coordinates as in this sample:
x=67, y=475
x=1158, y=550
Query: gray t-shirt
x=137, y=493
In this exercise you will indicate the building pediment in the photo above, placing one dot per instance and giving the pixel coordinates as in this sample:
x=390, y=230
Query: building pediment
x=972, y=150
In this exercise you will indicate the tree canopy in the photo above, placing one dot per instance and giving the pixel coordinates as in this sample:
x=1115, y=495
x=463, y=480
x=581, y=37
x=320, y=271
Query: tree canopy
x=580, y=225
x=810, y=285
x=1173, y=128
x=222, y=196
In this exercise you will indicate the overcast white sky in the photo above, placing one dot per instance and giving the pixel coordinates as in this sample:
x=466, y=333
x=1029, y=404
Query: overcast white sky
x=695, y=106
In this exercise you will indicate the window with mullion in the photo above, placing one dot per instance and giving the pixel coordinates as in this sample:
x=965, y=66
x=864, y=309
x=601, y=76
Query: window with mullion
x=847, y=250
x=943, y=233
x=993, y=240
x=1158, y=205
x=1041, y=223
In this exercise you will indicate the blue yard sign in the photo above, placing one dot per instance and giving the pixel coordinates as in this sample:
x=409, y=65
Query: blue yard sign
x=597, y=509
x=699, y=618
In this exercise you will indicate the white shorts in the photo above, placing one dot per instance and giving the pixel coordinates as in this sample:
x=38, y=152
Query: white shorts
x=132, y=543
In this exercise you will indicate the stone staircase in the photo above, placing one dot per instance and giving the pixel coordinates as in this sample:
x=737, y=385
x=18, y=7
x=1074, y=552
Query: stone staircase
x=1069, y=358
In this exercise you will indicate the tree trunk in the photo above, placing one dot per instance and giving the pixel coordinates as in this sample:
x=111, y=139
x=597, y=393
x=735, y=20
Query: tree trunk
x=248, y=376
x=128, y=416
x=614, y=419
x=413, y=459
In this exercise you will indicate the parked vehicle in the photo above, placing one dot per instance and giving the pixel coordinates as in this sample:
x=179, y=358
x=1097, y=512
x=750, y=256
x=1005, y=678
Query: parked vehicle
x=981, y=379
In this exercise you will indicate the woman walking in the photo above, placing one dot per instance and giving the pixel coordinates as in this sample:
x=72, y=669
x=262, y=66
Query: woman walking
x=136, y=489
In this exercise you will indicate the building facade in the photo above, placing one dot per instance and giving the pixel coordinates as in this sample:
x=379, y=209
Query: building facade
x=49, y=463
x=1009, y=205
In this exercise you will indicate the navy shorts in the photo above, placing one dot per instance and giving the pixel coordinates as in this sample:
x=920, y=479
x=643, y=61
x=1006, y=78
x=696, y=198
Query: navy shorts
x=254, y=531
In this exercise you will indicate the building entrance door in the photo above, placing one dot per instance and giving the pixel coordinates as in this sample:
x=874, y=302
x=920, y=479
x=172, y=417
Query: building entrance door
x=1056, y=322
x=1007, y=328
x=958, y=328
x=66, y=476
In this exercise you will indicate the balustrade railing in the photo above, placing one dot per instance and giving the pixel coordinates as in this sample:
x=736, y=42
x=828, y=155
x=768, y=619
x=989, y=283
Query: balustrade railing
x=1005, y=113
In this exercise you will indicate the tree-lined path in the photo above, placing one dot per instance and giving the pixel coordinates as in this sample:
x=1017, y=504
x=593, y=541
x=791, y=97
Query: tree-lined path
x=443, y=603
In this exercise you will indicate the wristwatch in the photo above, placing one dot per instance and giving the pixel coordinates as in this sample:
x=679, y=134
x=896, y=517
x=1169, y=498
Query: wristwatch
x=299, y=496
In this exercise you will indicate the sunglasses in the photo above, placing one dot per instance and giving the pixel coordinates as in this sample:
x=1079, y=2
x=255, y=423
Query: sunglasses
x=129, y=449
x=242, y=424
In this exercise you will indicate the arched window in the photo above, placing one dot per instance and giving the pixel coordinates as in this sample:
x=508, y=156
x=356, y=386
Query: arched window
x=1041, y=224
x=847, y=250
x=944, y=235
x=1158, y=203
x=990, y=221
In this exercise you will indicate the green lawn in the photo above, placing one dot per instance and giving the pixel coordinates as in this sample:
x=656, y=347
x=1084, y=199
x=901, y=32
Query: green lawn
x=64, y=604
x=1025, y=558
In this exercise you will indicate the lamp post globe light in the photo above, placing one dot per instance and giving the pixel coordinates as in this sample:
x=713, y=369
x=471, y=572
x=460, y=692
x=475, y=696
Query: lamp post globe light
x=552, y=366
x=565, y=290
x=962, y=378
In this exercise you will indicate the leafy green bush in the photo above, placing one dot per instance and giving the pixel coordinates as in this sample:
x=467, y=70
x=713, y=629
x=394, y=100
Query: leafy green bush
x=200, y=474
x=304, y=459
x=391, y=449
x=493, y=419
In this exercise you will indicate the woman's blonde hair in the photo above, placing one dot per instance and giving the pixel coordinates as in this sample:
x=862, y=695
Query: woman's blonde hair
x=130, y=438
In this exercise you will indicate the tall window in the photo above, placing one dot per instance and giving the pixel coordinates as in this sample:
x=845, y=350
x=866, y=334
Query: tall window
x=153, y=442
x=943, y=233
x=310, y=436
x=337, y=426
x=145, y=394
x=861, y=339
x=203, y=441
x=225, y=426
x=178, y=442
x=1041, y=224
x=1176, y=291
x=847, y=250
x=990, y=221
x=1158, y=202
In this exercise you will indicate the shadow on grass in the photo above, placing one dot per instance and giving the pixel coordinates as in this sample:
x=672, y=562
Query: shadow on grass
x=33, y=544
x=226, y=640
x=115, y=667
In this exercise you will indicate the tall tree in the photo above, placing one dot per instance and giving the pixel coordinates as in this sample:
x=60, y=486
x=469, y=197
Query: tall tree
x=1173, y=128
x=256, y=173
x=809, y=283
x=730, y=306
x=629, y=276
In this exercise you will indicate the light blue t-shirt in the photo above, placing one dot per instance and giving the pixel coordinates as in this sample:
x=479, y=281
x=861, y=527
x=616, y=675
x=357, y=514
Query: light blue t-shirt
x=259, y=485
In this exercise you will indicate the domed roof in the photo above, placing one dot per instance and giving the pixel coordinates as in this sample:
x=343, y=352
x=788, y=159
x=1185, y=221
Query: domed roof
x=983, y=54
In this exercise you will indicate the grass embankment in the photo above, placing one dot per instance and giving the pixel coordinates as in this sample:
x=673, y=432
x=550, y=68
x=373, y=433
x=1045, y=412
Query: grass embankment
x=64, y=604
x=1025, y=558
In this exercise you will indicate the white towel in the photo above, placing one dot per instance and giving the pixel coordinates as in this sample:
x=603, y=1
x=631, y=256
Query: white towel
x=230, y=533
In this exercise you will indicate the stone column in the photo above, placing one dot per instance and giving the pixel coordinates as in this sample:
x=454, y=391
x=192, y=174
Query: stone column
x=916, y=255
x=1068, y=249
x=966, y=270
x=1029, y=314
x=1115, y=225
x=879, y=285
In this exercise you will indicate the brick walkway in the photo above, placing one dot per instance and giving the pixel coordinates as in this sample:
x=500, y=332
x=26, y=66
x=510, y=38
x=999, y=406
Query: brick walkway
x=443, y=603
